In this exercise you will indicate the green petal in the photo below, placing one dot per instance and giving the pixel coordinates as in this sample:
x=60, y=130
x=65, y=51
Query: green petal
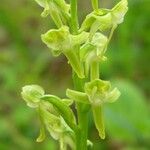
x=32, y=94
x=99, y=41
x=98, y=120
x=85, y=50
x=102, y=86
x=87, y=23
x=113, y=95
x=57, y=39
x=77, y=96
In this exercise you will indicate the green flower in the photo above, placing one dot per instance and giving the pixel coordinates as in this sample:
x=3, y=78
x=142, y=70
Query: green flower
x=97, y=92
x=52, y=121
x=62, y=41
x=58, y=10
x=103, y=19
x=93, y=52
x=32, y=94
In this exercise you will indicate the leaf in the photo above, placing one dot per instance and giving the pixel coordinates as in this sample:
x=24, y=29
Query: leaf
x=128, y=119
x=62, y=108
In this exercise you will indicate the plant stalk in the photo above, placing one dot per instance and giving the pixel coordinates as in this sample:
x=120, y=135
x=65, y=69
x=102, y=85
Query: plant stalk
x=74, y=17
x=82, y=113
x=82, y=129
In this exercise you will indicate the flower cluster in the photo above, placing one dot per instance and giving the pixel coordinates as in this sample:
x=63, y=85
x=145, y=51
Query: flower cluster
x=84, y=51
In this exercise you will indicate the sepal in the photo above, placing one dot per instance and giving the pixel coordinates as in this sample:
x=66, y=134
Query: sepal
x=77, y=96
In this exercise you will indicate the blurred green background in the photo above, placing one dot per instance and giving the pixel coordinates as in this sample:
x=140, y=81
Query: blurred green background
x=24, y=59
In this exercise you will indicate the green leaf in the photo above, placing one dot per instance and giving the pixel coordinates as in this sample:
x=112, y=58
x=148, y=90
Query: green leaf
x=62, y=108
x=128, y=119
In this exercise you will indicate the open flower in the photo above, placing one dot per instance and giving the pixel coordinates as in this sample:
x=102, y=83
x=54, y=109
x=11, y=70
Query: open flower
x=93, y=52
x=97, y=92
x=103, y=19
x=53, y=112
x=55, y=124
x=62, y=41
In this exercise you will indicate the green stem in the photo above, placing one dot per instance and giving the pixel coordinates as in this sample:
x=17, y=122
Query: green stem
x=74, y=17
x=82, y=113
x=95, y=4
x=82, y=129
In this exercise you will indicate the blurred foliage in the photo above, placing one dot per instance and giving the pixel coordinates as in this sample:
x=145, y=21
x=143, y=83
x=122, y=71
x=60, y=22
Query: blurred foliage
x=24, y=59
